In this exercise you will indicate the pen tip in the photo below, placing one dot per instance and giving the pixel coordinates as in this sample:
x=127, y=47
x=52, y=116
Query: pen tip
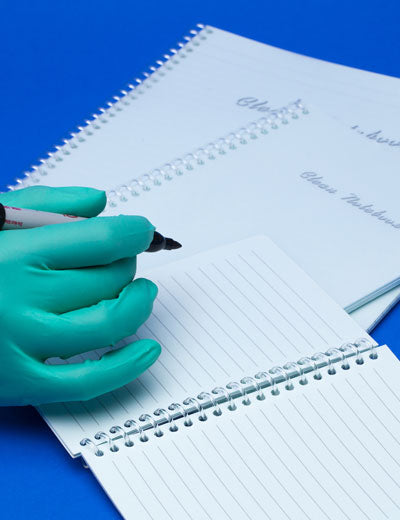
x=172, y=244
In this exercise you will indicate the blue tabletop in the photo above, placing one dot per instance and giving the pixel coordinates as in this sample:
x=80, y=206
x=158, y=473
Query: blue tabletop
x=59, y=62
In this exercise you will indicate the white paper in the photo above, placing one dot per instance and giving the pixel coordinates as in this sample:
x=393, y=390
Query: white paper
x=369, y=315
x=200, y=95
x=321, y=206
x=328, y=449
x=219, y=316
x=193, y=100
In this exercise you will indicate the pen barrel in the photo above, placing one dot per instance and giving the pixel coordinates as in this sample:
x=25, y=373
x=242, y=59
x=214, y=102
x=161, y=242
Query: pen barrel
x=20, y=218
x=2, y=216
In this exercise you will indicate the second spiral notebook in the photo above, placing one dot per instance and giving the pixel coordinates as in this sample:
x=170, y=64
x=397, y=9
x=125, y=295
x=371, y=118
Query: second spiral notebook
x=238, y=417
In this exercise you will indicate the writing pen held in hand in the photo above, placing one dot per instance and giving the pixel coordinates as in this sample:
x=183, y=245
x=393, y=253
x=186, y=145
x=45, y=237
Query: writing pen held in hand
x=20, y=218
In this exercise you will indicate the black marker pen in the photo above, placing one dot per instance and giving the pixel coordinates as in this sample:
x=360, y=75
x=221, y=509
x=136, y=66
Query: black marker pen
x=20, y=218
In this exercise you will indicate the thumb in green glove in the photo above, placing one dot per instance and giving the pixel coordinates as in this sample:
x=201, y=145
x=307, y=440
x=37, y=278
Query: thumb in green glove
x=66, y=289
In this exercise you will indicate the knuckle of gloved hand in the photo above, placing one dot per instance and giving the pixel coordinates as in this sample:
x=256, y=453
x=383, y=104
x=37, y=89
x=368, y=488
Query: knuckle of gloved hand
x=83, y=389
x=14, y=252
x=76, y=389
x=104, y=229
x=10, y=322
x=102, y=238
x=107, y=321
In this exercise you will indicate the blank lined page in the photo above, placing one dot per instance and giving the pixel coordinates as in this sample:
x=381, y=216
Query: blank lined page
x=219, y=316
x=326, y=450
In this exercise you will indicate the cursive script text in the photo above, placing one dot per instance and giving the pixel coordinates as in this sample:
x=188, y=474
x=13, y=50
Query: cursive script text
x=377, y=136
x=351, y=198
x=254, y=103
x=318, y=181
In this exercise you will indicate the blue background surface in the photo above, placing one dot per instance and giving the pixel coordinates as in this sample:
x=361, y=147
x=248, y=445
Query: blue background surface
x=59, y=62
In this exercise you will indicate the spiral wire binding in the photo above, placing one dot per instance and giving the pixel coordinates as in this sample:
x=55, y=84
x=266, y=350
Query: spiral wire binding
x=276, y=380
x=132, y=92
x=177, y=167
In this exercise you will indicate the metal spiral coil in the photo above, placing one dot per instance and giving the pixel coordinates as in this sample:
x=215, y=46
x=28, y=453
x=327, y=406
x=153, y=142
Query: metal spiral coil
x=177, y=167
x=132, y=91
x=272, y=381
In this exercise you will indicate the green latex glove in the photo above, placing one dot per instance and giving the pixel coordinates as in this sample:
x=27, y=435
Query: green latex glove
x=67, y=289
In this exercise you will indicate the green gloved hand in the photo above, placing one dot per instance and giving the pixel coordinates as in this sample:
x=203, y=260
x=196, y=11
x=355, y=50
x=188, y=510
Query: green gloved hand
x=66, y=289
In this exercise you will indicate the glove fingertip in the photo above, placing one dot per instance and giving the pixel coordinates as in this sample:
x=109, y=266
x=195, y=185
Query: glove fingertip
x=90, y=201
x=147, y=285
x=75, y=200
x=137, y=229
x=129, y=362
x=99, y=200
x=150, y=351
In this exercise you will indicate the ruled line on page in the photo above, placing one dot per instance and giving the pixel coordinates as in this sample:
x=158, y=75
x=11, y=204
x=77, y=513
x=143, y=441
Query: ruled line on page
x=373, y=390
x=213, y=319
x=213, y=470
x=305, y=490
x=366, y=427
x=168, y=486
x=366, y=515
x=234, y=304
x=202, y=347
x=203, y=482
x=357, y=438
x=316, y=313
x=138, y=380
x=288, y=322
x=218, y=317
x=75, y=419
x=171, y=329
x=268, y=469
x=387, y=386
x=128, y=485
x=237, y=477
x=260, y=311
x=212, y=339
x=132, y=394
x=360, y=397
x=252, y=471
x=179, y=477
x=352, y=456
x=287, y=302
x=296, y=455
x=151, y=372
x=173, y=356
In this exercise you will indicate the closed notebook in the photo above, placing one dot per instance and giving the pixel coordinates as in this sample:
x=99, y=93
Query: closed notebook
x=215, y=89
x=268, y=401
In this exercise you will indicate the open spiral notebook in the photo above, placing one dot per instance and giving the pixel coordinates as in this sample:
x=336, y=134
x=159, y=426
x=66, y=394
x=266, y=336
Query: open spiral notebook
x=227, y=424
x=215, y=88
x=261, y=435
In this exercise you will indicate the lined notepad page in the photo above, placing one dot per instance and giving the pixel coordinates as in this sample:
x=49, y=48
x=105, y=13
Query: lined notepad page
x=219, y=316
x=326, y=450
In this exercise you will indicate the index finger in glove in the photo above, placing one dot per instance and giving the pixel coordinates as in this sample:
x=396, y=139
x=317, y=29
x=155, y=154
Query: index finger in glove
x=74, y=200
x=97, y=241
